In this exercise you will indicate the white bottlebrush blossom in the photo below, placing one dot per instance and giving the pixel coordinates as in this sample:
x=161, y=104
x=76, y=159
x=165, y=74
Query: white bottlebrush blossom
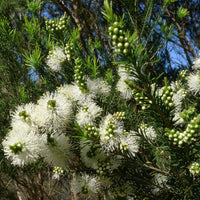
x=93, y=157
x=57, y=150
x=19, y=125
x=161, y=181
x=52, y=110
x=122, y=87
x=110, y=130
x=194, y=168
x=148, y=132
x=90, y=153
x=23, y=115
x=178, y=97
x=175, y=85
x=73, y=93
x=55, y=59
x=129, y=143
x=98, y=86
x=22, y=146
x=86, y=186
x=159, y=92
x=194, y=83
x=196, y=64
x=177, y=119
x=88, y=112
x=107, y=164
x=123, y=73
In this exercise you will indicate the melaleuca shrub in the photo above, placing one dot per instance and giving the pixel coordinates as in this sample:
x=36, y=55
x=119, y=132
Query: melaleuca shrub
x=134, y=136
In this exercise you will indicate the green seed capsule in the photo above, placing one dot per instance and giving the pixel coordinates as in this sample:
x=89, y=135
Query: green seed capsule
x=114, y=43
x=125, y=51
x=126, y=44
x=116, y=30
x=114, y=37
x=115, y=24
x=120, y=45
x=121, y=38
x=117, y=50
x=121, y=32
x=110, y=29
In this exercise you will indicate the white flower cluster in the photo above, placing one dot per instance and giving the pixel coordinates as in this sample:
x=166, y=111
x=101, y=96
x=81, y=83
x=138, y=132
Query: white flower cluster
x=194, y=82
x=22, y=145
x=196, y=64
x=69, y=129
x=55, y=59
x=195, y=168
x=98, y=87
x=194, y=78
x=122, y=86
x=37, y=131
x=178, y=97
x=161, y=181
x=148, y=132
x=88, y=112
x=88, y=187
x=52, y=109
x=113, y=136
x=93, y=157
x=46, y=130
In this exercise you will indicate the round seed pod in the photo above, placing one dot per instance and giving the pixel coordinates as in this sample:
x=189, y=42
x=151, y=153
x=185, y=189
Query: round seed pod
x=110, y=28
x=119, y=45
x=114, y=43
x=126, y=39
x=115, y=30
x=125, y=51
x=121, y=38
x=115, y=24
x=121, y=31
x=114, y=37
x=126, y=45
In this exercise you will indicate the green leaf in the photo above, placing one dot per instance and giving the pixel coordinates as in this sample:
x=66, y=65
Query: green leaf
x=169, y=1
x=80, y=131
x=109, y=76
x=130, y=84
x=34, y=6
x=182, y=12
x=108, y=14
x=32, y=26
x=34, y=60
